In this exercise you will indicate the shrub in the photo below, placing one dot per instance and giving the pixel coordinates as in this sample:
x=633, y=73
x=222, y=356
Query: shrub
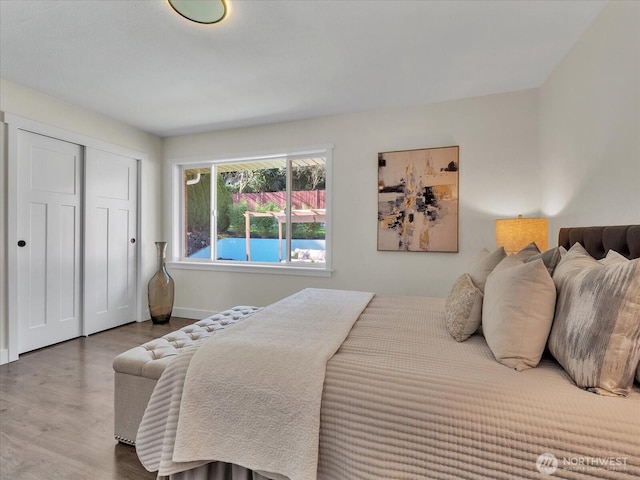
x=236, y=218
x=266, y=226
x=198, y=200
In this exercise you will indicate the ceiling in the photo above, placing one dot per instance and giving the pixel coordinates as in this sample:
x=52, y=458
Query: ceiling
x=139, y=62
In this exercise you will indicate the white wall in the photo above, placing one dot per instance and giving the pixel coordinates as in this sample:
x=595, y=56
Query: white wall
x=3, y=255
x=570, y=150
x=24, y=102
x=498, y=139
x=590, y=125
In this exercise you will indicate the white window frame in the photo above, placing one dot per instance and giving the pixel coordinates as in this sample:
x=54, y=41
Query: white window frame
x=179, y=261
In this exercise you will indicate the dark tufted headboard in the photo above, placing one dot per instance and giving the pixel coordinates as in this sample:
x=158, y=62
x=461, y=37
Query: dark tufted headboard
x=624, y=239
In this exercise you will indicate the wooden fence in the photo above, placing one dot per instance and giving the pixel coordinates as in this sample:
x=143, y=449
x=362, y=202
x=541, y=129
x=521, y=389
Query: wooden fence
x=300, y=199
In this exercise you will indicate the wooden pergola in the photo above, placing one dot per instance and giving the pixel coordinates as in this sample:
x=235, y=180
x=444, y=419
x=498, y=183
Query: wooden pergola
x=297, y=216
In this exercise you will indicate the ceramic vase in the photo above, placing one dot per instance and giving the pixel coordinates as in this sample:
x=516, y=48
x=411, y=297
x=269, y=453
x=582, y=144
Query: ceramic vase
x=161, y=289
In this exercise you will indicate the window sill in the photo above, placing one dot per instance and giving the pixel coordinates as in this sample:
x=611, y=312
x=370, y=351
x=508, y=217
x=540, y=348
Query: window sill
x=270, y=269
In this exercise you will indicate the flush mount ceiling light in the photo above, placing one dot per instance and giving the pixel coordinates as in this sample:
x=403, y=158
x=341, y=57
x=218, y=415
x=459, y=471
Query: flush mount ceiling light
x=200, y=11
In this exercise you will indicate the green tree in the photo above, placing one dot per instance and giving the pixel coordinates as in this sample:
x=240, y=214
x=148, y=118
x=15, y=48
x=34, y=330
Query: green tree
x=198, y=201
x=312, y=177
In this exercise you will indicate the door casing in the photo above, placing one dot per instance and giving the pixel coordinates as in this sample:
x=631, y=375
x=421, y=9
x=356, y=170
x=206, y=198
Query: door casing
x=15, y=123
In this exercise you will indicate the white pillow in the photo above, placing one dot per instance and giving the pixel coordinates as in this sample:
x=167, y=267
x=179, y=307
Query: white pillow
x=517, y=312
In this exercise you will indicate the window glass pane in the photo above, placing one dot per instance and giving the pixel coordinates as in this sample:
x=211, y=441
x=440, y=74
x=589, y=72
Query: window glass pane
x=251, y=202
x=251, y=216
x=308, y=198
x=197, y=214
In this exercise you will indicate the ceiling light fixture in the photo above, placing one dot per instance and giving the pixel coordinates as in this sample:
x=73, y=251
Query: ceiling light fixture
x=201, y=11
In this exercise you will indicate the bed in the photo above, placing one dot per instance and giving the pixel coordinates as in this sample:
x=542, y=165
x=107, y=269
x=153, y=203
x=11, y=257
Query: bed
x=401, y=399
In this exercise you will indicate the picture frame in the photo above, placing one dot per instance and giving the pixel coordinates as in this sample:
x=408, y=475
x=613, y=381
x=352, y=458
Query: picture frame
x=418, y=200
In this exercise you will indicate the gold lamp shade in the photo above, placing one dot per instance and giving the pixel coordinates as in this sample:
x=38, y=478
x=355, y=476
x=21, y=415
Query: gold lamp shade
x=515, y=233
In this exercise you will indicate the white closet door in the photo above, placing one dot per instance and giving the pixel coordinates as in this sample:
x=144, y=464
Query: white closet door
x=48, y=251
x=110, y=254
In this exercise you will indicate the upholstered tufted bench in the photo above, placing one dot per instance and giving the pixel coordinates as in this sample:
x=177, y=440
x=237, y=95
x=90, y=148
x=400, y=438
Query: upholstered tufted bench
x=137, y=370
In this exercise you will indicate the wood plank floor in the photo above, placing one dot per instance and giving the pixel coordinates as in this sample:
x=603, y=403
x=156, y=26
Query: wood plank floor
x=56, y=409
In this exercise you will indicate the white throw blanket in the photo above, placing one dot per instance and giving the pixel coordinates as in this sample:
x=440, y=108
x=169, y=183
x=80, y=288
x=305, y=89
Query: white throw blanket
x=252, y=393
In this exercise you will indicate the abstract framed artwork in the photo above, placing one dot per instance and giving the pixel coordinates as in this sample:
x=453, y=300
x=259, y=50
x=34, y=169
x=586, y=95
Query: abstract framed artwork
x=418, y=200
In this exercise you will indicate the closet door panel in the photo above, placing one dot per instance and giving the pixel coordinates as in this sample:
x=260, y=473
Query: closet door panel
x=110, y=240
x=48, y=253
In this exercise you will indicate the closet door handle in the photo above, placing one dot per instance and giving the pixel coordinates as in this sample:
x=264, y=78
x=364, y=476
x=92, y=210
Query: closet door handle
x=21, y=243
x=133, y=240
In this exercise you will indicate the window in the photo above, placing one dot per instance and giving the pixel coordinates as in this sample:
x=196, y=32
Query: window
x=260, y=211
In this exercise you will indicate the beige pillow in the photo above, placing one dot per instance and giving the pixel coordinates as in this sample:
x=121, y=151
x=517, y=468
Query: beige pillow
x=517, y=312
x=596, y=330
x=527, y=252
x=483, y=265
x=463, y=308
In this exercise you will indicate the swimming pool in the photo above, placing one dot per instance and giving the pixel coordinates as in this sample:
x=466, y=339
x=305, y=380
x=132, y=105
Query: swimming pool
x=262, y=249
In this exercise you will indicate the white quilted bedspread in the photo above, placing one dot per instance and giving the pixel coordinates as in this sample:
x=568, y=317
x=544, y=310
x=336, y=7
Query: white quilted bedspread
x=403, y=400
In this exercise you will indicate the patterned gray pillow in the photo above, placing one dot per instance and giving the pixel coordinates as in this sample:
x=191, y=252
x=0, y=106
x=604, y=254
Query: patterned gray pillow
x=463, y=308
x=596, y=329
x=612, y=258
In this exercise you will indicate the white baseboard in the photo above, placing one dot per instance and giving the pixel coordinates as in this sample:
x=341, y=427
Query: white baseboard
x=4, y=356
x=192, y=313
